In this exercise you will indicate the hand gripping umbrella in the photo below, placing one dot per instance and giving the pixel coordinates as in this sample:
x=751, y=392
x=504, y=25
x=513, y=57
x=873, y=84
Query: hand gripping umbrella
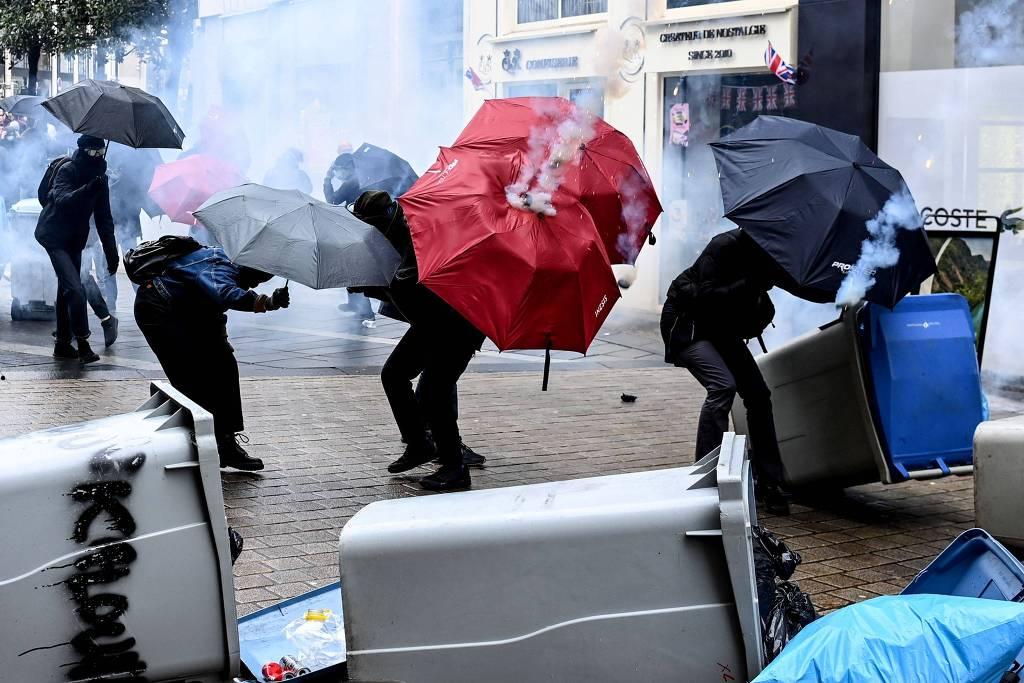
x=804, y=194
x=290, y=234
x=118, y=113
x=610, y=179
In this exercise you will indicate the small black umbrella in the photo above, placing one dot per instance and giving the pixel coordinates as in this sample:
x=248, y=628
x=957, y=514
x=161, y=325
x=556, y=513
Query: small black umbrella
x=381, y=169
x=804, y=193
x=117, y=113
x=22, y=105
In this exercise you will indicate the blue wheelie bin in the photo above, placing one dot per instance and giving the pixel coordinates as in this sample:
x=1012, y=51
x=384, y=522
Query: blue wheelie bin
x=878, y=395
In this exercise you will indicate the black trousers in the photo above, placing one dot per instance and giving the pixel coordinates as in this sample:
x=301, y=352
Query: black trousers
x=196, y=357
x=72, y=316
x=439, y=360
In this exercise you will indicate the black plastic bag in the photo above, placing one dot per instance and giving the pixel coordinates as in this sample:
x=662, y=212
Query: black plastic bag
x=791, y=610
x=786, y=560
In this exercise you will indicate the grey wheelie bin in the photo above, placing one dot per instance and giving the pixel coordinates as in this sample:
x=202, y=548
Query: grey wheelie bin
x=999, y=480
x=877, y=395
x=116, y=562
x=33, y=284
x=642, y=577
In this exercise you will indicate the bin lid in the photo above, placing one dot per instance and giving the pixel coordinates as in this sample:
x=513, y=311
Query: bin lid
x=974, y=565
x=29, y=206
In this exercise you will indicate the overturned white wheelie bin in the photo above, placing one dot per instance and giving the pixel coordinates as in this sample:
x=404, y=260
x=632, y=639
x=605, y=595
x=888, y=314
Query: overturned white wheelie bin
x=878, y=395
x=642, y=577
x=116, y=562
x=999, y=480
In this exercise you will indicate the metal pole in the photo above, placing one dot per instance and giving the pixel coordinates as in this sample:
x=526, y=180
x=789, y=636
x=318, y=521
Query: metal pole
x=988, y=293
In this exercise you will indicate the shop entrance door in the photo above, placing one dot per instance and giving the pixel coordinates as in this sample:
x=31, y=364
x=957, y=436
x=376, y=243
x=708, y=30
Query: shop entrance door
x=698, y=110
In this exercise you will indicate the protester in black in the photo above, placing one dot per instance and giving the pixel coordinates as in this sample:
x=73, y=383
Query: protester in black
x=711, y=310
x=74, y=193
x=437, y=346
x=182, y=315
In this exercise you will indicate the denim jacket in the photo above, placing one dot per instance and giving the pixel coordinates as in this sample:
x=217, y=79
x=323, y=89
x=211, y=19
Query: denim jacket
x=205, y=282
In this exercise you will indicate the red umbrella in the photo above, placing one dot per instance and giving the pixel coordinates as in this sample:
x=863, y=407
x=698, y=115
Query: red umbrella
x=525, y=280
x=180, y=187
x=610, y=179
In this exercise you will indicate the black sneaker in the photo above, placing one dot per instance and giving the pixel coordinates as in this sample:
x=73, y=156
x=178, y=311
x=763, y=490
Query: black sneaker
x=236, y=542
x=414, y=456
x=775, y=500
x=110, y=326
x=65, y=351
x=85, y=352
x=234, y=456
x=448, y=478
x=471, y=457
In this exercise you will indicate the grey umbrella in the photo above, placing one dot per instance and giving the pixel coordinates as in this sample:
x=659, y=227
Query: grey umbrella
x=290, y=234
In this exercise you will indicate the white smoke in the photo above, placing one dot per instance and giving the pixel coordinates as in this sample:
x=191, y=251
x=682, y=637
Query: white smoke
x=879, y=250
x=635, y=208
x=990, y=34
x=551, y=150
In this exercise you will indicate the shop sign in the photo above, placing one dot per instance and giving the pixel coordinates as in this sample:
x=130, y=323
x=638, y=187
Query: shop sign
x=553, y=63
x=714, y=33
x=942, y=218
x=512, y=60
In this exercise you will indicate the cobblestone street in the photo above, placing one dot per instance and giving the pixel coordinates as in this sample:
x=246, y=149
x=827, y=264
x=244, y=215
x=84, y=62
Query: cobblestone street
x=327, y=439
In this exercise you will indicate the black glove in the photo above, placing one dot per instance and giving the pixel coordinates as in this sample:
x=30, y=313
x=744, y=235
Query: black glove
x=96, y=183
x=280, y=298
x=112, y=264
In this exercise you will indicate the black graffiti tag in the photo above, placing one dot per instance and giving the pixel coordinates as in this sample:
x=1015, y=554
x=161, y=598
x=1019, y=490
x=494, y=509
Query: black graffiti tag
x=108, y=561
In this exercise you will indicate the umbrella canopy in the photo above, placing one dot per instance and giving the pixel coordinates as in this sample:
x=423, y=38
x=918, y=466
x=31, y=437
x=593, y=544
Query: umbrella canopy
x=22, y=105
x=180, y=187
x=805, y=193
x=117, y=113
x=610, y=179
x=525, y=280
x=381, y=169
x=290, y=234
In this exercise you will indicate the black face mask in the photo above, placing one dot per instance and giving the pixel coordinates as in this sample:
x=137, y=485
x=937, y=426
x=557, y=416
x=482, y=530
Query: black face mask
x=93, y=166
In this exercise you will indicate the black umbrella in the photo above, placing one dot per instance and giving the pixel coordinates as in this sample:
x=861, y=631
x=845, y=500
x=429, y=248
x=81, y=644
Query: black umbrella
x=381, y=169
x=117, y=113
x=22, y=105
x=804, y=194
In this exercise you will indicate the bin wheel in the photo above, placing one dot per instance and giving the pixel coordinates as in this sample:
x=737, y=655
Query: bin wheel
x=16, y=310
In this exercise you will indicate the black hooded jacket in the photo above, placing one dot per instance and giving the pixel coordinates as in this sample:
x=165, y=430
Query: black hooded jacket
x=79, y=191
x=723, y=294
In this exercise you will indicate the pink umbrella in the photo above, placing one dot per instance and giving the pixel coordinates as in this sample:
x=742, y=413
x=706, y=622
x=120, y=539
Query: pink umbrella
x=180, y=187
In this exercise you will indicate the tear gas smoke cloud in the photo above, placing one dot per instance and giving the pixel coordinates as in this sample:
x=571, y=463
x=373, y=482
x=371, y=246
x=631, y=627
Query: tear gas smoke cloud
x=879, y=250
x=992, y=30
x=551, y=149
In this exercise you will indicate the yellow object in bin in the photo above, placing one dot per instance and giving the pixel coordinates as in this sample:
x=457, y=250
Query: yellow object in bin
x=318, y=614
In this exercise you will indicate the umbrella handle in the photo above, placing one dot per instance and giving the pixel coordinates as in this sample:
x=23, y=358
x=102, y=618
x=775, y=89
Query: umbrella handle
x=547, y=365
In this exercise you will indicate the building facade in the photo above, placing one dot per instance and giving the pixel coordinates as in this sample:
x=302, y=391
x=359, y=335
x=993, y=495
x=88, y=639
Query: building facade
x=951, y=118
x=674, y=75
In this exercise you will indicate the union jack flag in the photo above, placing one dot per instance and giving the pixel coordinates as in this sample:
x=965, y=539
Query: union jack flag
x=778, y=66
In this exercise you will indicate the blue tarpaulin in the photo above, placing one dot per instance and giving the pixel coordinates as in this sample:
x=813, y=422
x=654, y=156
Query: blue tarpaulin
x=933, y=638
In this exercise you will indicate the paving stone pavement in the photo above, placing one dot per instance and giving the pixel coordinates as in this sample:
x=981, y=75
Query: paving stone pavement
x=327, y=439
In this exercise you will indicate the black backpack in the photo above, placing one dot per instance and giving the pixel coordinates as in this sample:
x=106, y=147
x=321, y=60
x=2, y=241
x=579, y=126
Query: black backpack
x=150, y=259
x=46, y=184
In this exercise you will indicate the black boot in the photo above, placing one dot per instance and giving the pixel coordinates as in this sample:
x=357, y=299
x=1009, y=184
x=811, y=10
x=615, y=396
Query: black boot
x=450, y=477
x=64, y=350
x=233, y=455
x=471, y=457
x=110, y=326
x=415, y=455
x=85, y=352
x=774, y=499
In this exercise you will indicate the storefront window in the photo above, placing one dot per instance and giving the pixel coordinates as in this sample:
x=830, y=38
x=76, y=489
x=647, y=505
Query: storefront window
x=698, y=110
x=676, y=4
x=583, y=92
x=546, y=10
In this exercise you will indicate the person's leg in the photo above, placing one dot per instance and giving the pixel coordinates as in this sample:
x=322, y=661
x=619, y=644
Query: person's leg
x=757, y=399
x=402, y=366
x=72, y=316
x=93, y=295
x=107, y=283
x=446, y=364
x=706, y=365
x=226, y=398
